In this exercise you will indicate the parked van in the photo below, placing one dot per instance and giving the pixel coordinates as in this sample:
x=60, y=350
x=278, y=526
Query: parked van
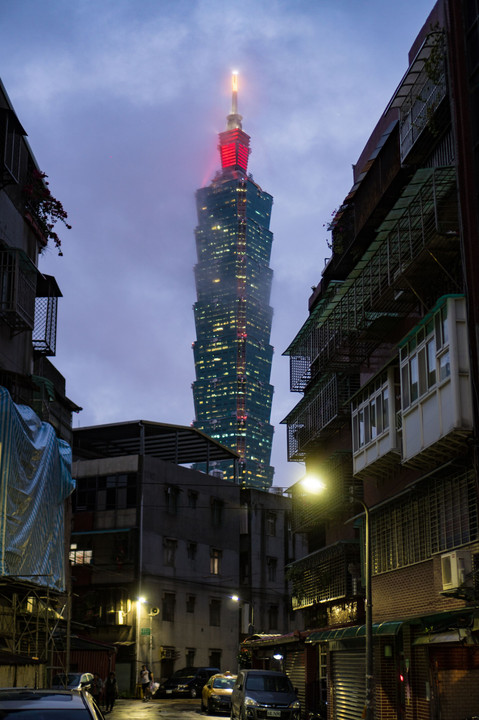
x=264, y=694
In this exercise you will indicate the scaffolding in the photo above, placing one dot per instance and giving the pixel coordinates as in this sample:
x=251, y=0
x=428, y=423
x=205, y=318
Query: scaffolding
x=33, y=622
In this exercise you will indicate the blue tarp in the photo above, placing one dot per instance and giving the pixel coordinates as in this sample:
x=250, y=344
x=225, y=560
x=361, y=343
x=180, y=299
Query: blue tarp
x=35, y=480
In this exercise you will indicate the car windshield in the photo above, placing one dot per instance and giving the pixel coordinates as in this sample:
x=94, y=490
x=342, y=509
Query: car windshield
x=224, y=683
x=269, y=683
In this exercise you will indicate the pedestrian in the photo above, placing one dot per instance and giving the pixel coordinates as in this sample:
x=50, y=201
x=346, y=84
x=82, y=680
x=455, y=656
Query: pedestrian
x=145, y=679
x=111, y=691
x=97, y=688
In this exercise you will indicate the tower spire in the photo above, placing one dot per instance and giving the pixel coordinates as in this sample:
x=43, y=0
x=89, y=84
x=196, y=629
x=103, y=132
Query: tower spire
x=233, y=120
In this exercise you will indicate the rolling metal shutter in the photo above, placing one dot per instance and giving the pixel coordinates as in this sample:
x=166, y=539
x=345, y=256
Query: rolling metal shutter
x=294, y=669
x=349, y=684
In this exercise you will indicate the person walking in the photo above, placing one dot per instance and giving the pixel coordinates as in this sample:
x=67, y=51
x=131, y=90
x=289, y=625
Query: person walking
x=97, y=688
x=145, y=679
x=111, y=691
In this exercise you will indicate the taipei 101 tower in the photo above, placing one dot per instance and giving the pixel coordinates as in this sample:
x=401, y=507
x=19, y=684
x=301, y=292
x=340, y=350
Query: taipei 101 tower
x=232, y=391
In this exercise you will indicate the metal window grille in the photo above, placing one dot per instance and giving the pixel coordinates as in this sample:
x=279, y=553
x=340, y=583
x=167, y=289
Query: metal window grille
x=18, y=278
x=324, y=575
x=436, y=516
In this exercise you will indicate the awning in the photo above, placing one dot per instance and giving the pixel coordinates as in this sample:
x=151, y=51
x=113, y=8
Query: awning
x=456, y=635
x=101, y=532
x=356, y=631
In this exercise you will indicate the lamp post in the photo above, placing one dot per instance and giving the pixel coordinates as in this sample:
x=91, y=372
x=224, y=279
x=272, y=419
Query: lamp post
x=369, y=615
x=139, y=602
x=315, y=485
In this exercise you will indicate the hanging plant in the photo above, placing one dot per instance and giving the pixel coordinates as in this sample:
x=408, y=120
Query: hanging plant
x=43, y=208
x=244, y=657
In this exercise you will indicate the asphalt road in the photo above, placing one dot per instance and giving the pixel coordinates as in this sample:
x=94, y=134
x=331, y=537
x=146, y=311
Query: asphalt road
x=168, y=709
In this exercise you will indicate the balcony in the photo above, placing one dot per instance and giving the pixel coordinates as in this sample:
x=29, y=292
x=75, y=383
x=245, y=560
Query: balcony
x=18, y=281
x=436, y=392
x=329, y=575
x=44, y=336
x=420, y=93
x=417, y=239
x=322, y=411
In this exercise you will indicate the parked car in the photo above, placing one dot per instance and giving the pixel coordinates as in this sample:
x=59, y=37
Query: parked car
x=19, y=703
x=216, y=694
x=188, y=681
x=72, y=681
x=264, y=694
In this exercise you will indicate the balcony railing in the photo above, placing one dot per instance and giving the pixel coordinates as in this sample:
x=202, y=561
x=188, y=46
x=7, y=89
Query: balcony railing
x=421, y=92
x=327, y=575
x=323, y=409
x=44, y=336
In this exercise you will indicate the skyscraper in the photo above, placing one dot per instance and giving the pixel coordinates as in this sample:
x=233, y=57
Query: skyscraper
x=232, y=391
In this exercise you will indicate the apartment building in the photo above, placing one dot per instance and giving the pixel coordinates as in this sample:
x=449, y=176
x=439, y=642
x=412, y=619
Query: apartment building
x=388, y=367
x=35, y=414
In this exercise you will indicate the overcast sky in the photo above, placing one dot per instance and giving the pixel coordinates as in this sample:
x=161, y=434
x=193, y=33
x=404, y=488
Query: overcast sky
x=122, y=101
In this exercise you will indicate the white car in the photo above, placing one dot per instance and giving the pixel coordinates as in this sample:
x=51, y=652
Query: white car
x=26, y=703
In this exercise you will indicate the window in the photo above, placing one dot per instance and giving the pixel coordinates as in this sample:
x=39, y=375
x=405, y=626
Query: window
x=271, y=524
x=215, y=612
x=171, y=499
x=273, y=617
x=271, y=564
x=168, y=613
x=370, y=410
x=425, y=358
x=192, y=499
x=169, y=552
x=216, y=512
x=444, y=366
x=438, y=515
x=323, y=673
x=105, y=492
x=215, y=658
x=191, y=548
x=80, y=556
x=190, y=657
x=11, y=142
x=190, y=603
x=431, y=362
x=215, y=561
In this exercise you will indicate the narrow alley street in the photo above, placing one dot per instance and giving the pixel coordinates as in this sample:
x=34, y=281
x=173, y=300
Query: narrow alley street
x=180, y=709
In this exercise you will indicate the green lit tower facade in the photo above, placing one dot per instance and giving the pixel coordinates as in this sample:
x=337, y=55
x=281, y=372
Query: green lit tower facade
x=232, y=391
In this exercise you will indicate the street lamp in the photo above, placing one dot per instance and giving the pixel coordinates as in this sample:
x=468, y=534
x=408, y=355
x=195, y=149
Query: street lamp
x=315, y=485
x=250, y=605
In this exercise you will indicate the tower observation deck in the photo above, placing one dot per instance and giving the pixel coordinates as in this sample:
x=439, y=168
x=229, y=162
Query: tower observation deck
x=232, y=391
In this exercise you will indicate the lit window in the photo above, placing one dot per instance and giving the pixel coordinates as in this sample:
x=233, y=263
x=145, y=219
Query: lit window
x=215, y=561
x=80, y=556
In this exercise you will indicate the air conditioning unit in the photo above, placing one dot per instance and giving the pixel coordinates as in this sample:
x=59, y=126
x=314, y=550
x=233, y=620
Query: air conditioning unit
x=456, y=569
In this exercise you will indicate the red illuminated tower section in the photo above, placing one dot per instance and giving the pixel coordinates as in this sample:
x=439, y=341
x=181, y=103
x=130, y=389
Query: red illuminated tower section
x=234, y=142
